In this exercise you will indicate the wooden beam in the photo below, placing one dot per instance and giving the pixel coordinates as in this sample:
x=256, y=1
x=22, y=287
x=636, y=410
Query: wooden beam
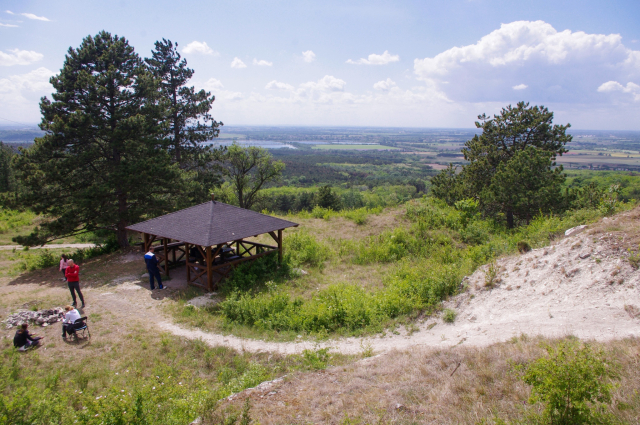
x=241, y=260
x=186, y=250
x=273, y=235
x=209, y=270
x=280, y=247
x=166, y=257
x=145, y=244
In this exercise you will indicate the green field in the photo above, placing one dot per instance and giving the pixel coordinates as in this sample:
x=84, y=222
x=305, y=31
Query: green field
x=354, y=147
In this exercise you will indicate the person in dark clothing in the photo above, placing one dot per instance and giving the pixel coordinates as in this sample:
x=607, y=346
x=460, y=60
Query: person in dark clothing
x=152, y=267
x=23, y=339
x=72, y=273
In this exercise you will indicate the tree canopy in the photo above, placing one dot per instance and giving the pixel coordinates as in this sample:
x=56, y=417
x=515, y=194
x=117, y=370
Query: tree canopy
x=188, y=121
x=249, y=169
x=102, y=163
x=511, y=169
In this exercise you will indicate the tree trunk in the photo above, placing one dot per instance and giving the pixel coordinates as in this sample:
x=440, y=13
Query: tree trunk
x=510, y=219
x=121, y=231
x=121, y=234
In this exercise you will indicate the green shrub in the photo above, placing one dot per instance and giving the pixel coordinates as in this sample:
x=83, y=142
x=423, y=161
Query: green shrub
x=573, y=381
x=252, y=275
x=316, y=359
x=442, y=245
x=303, y=248
x=449, y=315
x=634, y=258
x=523, y=247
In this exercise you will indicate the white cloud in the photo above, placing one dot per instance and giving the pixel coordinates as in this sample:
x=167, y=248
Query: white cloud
x=35, y=17
x=277, y=85
x=374, y=59
x=213, y=84
x=9, y=12
x=229, y=95
x=261, y=62
x=19, y=57
x=614, y=86
x=327, y=83
x=8, y=25
x=384, y=85
x=308, y=56
x=19, y=94
x=36, y=80
x=520, y=87
x=200, y=47
x=237, y=63
x=559, y=66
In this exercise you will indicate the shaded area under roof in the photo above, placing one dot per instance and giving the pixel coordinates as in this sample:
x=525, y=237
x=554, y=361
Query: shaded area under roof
x=211, y=223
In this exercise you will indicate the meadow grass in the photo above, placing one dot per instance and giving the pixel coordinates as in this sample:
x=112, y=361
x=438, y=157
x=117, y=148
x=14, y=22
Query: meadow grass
x=457, y=385
x=426, y=263
x=130, y=375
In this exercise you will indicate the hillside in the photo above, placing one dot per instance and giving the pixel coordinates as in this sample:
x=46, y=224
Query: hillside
x=586, y=285
x=583, y=285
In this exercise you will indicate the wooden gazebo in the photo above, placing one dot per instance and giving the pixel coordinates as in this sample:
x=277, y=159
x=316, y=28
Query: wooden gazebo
x=210, y=239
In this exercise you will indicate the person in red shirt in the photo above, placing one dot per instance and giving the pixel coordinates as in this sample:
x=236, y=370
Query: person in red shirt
x=72, y=273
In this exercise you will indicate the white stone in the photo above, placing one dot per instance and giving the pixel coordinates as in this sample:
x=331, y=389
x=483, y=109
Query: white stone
x=575, y=230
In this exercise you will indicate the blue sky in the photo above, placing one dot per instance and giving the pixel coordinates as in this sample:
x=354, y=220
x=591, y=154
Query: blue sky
x=369, y=63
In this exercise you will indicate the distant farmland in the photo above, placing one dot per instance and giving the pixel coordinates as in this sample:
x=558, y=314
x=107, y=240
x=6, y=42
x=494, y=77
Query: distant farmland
x=354, y=147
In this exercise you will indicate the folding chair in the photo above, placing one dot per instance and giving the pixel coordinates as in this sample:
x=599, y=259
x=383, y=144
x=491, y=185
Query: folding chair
x=81, y=327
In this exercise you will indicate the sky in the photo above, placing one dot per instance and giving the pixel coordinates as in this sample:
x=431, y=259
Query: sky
x=353, y=63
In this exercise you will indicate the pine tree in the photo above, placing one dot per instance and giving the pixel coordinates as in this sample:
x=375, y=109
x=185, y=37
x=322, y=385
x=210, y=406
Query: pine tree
x=187, y=114
x=504, y=138
x=187, y=122
x=102, y=163
x=327, y=198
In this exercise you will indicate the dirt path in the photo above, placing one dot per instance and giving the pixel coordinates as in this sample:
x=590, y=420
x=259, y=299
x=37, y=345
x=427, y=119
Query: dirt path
x=50, y=246
x=583, y=285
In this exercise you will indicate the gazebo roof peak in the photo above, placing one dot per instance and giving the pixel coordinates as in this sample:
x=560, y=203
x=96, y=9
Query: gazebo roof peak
x=211, y=223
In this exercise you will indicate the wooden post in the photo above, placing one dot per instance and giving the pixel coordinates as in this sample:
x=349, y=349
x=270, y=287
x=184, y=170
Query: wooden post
x=209, y=269
x=186, y=256
x=280, y=248
x=145, y=244
x=166, y=257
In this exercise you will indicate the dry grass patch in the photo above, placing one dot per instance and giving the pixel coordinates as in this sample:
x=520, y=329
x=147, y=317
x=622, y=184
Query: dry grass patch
x=342, y=228
x=461, y=385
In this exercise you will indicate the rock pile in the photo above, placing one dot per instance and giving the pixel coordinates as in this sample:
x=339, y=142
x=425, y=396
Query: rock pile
x=40, y=317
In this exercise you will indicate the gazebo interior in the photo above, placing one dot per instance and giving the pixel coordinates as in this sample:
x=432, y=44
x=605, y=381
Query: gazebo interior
x=210, y=239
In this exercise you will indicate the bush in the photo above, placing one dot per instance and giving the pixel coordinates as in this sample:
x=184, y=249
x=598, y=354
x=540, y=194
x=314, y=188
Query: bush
x=449, y=315
x=303, y=248
x=574, y=382
x=442, y=245
x=251, y=275
x=523, y=247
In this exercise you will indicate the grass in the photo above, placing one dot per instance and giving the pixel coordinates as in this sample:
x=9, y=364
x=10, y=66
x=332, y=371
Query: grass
x=419, y=263
x=131, y=374
x=13, y=223
x=459, y=385
x=449, y=315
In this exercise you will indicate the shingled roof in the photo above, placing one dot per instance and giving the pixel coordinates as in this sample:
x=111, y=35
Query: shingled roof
x=211, y=223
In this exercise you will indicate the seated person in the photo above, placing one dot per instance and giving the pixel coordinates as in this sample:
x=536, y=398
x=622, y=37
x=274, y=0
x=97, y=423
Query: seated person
x=195, y=253
x=23, y=339
x=69, y=323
